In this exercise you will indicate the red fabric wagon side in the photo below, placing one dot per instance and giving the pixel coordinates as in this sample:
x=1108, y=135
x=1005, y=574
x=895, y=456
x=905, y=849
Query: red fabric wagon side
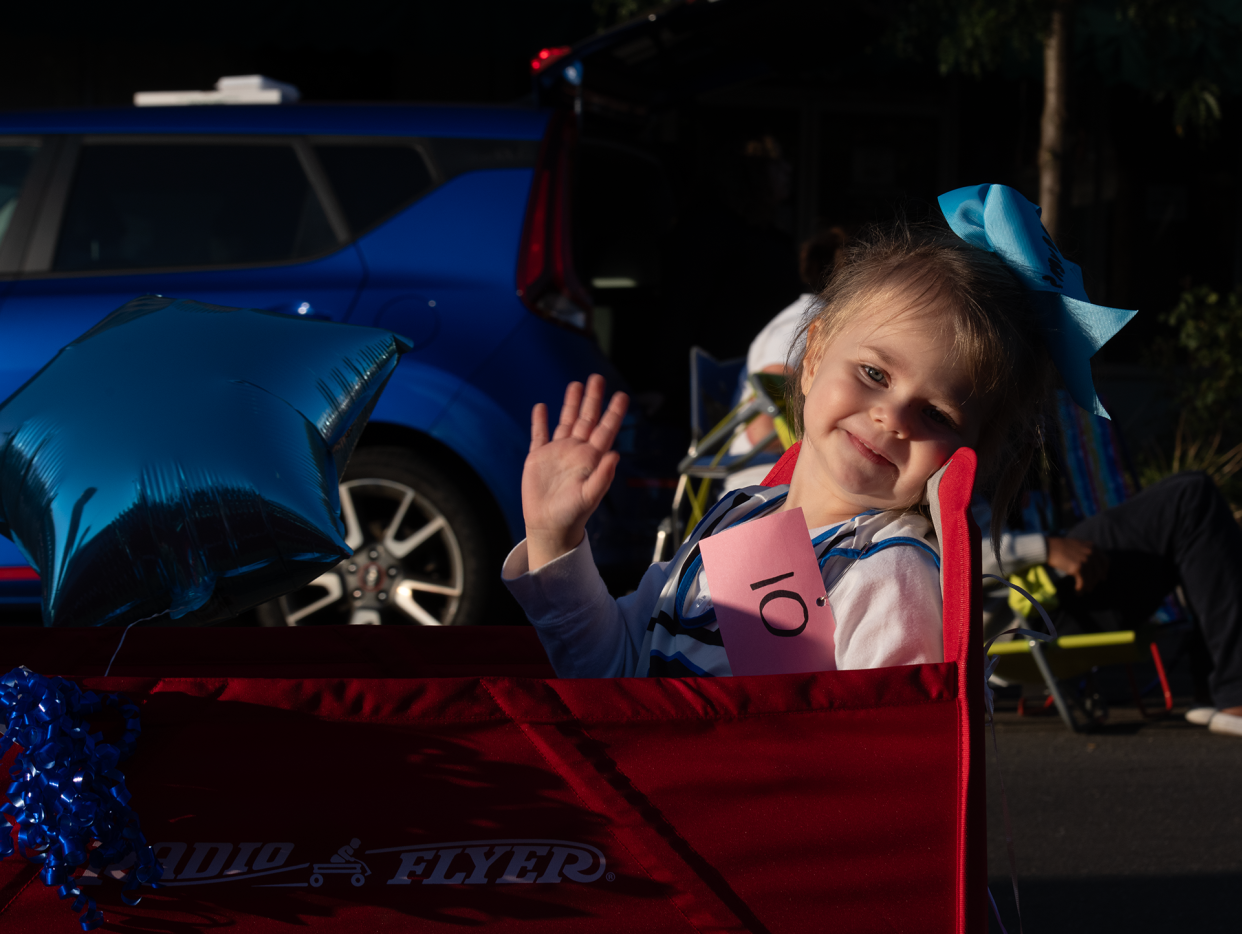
x=364, y=779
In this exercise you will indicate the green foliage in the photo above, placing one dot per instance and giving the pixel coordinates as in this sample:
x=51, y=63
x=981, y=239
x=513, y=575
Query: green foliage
x=1203, y=364
x=1197, y=453
x=1199, y=107
x=1180, y=50
x=1186, y=51
x=1208, y=375
x=971, y=37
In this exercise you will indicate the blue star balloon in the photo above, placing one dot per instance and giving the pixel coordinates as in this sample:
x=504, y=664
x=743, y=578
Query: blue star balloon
x=183, y=458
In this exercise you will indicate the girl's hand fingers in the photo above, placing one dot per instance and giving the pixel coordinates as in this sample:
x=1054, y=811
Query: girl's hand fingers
x=606, y=431
x=569, y=411
x=588, y=415
x=538, y=426
x=596, y=485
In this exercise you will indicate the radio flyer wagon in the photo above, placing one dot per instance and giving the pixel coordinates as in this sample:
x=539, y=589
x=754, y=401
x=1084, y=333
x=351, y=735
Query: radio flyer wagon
x=475, y=789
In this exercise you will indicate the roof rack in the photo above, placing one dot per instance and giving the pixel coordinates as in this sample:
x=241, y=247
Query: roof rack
x=231, y=89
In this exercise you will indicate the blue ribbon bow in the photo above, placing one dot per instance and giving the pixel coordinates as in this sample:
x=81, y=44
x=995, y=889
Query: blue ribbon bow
x=66, y=792
x=1001, y=221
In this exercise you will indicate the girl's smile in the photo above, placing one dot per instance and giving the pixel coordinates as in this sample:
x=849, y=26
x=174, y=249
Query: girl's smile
x=886, y=404
x=874, y=456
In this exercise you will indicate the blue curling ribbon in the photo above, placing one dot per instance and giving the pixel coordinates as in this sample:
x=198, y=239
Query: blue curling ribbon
x=67, y=792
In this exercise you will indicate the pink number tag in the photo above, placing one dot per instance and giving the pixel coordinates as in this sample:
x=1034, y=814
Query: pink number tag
x=769, y=597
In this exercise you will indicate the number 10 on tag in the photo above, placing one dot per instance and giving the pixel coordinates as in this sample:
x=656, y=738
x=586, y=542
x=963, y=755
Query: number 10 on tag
x=766, y=587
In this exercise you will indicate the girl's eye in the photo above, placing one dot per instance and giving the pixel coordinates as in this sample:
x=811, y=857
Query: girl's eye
x=939, y=417
x=873, y=374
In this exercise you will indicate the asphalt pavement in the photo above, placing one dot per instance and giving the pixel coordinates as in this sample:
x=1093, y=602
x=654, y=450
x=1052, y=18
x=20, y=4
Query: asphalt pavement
x=1135, y=826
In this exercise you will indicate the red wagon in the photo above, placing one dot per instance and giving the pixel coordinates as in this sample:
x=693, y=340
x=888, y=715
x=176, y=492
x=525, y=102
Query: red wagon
x=362, y=779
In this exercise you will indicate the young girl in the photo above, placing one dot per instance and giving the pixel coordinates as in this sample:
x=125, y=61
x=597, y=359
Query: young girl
x=922, y=343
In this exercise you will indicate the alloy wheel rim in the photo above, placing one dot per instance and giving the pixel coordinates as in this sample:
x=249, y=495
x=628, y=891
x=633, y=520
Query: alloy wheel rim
x=407, y=566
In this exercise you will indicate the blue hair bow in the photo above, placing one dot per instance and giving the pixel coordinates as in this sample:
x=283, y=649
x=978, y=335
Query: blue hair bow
x=1001, y=221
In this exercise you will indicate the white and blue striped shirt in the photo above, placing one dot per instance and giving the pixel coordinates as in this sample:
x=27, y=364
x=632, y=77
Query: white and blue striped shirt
x=881, y=573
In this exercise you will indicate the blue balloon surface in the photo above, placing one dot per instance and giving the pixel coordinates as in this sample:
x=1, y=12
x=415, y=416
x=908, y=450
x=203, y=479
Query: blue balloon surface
x=184, y=458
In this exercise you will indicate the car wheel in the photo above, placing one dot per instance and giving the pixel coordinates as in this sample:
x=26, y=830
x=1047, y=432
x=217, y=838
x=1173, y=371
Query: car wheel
x=420, y=552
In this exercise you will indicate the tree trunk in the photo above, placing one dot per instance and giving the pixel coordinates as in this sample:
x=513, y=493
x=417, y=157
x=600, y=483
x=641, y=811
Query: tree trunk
x=1052, y=124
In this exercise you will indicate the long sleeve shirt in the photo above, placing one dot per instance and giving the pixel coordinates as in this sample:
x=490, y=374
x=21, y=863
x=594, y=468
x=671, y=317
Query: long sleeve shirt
x=1018, y=550
x=881, y=573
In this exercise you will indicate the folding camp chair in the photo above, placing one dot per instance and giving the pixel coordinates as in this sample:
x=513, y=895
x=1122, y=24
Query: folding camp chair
x=714, y=390
x=1096, y=478
x=458, y=768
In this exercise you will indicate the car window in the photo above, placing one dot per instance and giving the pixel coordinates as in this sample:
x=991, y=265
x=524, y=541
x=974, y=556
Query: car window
x=159, y=205
x=373, y=181
x=15, y=162
x=455, y=157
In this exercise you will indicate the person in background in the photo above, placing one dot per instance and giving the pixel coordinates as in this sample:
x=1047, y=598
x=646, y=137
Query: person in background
x=772, y=351
x=1114, y=569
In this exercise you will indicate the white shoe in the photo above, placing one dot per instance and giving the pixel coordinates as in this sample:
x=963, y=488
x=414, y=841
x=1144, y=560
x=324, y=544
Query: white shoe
x=1200, y=716
x=1226, y=724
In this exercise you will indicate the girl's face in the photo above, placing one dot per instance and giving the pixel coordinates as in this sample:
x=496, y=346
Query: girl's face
x=886, y=404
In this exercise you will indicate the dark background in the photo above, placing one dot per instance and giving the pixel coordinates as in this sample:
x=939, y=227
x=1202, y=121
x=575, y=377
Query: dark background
x=858, y=131
x=863, y=131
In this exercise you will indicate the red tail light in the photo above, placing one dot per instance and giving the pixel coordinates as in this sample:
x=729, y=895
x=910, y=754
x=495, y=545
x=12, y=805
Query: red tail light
x=545, y=57
x=546, y=280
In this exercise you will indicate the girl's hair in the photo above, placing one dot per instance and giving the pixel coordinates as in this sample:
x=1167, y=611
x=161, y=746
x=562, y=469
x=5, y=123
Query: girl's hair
x=996, y=330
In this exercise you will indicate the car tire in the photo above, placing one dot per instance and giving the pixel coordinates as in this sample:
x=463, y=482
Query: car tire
x=421, y=552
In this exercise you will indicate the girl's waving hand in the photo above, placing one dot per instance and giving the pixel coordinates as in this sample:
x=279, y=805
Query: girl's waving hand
x=565, y=479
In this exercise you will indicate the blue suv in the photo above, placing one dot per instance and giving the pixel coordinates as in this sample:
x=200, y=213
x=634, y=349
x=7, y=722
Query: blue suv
x=449, y=225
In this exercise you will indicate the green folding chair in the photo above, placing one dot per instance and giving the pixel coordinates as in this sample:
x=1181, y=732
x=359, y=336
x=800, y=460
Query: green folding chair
x=714, y=390
x=1027, y=661
x=1096, y=478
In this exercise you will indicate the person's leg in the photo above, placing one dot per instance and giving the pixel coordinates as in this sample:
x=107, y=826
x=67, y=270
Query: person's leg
x=1141, y=569
x=1179, y=529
